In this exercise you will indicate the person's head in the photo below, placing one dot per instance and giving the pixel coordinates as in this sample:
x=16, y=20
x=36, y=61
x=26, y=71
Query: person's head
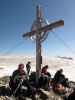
x=29, y=62
x=46, y=66
x=21, y=66
x=61, y=70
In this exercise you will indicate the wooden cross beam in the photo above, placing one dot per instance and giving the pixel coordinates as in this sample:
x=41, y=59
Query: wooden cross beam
x=46, y=28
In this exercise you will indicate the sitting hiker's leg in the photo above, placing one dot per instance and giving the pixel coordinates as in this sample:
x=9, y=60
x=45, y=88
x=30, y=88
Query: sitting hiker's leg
x=44, y=82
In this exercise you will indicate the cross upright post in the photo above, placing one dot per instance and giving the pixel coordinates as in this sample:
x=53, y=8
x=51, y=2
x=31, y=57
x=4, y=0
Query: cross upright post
x=38, y=43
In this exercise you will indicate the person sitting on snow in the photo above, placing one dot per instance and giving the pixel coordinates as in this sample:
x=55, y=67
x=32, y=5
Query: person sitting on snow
x=44, y=78
x=17, y=75
x=59, y=77
x=44, y=71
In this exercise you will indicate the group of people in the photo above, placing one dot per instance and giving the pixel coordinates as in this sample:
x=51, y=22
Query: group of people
x=58, y=82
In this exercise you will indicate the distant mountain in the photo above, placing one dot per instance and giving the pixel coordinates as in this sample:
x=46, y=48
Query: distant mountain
x=69, y=58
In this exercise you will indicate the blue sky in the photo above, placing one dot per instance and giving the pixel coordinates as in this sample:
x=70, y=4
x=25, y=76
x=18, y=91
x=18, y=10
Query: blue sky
x=17, y=16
